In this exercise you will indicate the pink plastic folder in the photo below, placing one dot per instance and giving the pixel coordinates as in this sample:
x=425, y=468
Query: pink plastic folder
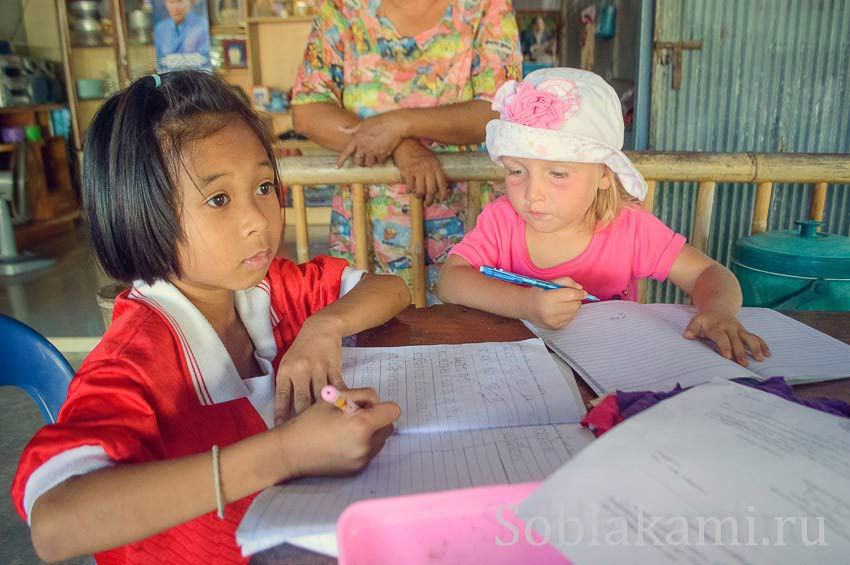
x=458, y=526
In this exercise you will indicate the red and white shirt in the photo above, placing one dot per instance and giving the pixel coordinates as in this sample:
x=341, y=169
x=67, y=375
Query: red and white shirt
x=161, y=385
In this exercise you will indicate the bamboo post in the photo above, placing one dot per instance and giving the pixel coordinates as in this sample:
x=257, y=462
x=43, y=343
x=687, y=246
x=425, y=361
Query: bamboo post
x=473, y=204
x=588, y=46
x=642, y=290
x=649, y=199
x=762, y=207
x=302, y=239
x=361, y=242
x=417, y=250
x=818, y=202
x=648, y=205
x=702, y=214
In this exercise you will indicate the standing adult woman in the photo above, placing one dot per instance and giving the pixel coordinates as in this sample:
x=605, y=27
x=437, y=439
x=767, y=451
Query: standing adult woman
x=403, y=79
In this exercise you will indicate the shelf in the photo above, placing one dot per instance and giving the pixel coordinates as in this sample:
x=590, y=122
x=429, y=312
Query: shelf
x=35, y=231
x=277, y=20
x=32, y=108
x=226, y=70
x=9, y=147
x=93, y=47
x=227, y=30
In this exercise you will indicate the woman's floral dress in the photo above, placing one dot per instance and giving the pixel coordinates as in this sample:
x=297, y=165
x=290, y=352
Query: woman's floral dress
x=357, y=59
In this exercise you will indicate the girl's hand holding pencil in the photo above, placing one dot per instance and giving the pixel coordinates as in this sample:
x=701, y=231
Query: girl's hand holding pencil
x=553, y=309
x=549, y=304
x=328, y=440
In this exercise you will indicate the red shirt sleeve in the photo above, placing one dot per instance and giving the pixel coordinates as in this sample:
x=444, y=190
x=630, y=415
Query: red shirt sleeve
x=299, y=291
x=107, y=406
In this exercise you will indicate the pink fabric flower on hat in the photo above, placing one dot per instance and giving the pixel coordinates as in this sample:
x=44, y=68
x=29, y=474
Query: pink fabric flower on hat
x=547, y=106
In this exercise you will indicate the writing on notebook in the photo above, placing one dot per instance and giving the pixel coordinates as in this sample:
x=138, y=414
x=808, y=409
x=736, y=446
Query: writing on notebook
x=628, y=346
x=722, y=473
x=472, y=415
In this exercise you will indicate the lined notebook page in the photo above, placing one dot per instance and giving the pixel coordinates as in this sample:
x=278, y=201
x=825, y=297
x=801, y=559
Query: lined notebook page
x=620, y=345
x=627, y=346
x=465, y=387
x=408, y=464
x=799, y=352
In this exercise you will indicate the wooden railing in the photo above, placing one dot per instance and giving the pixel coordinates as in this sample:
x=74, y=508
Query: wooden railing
x=763, y=169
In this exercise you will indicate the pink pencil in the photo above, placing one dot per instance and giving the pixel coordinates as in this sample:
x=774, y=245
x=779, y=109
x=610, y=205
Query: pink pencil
x=332, y=395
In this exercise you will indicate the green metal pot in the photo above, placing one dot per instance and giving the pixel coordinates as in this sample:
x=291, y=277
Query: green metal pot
x=794, y=270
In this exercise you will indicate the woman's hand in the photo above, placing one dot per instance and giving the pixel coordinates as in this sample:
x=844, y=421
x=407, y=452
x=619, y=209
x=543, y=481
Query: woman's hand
x=324, y=440
x=373, y=139
x=554, y=309
x=730, y=336
x=313, y=360
x=421, y=171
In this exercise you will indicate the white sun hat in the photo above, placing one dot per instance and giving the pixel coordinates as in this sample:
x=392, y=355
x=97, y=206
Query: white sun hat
x=562, y=114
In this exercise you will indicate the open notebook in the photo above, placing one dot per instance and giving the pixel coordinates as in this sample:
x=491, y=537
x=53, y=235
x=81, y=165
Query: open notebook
x=626, y=346
x=472, y=415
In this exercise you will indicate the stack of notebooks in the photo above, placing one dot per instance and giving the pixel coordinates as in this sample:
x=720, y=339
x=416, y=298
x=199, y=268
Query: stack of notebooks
x=472, y=415
x=505, y=413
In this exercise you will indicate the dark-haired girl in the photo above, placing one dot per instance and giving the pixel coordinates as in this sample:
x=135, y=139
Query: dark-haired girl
x=182, y=412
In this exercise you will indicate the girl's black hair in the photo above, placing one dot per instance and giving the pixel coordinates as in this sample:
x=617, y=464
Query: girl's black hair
x=130, y=165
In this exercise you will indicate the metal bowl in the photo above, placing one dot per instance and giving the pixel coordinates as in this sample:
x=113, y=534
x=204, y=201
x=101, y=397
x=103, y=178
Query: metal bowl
x=84, y=9
x=86, y=39
x=139, y=20
x=87, y=25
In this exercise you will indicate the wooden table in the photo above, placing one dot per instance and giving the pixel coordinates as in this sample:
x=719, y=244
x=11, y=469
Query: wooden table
x=458, y=324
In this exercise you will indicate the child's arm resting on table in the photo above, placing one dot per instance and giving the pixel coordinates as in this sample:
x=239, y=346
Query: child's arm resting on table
x=315, y=357
x=461, y=283
x=715, y=292
x=123, y=504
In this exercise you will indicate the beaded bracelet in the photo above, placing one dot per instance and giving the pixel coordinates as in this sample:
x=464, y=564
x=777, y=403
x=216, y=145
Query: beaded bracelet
x=219, y=499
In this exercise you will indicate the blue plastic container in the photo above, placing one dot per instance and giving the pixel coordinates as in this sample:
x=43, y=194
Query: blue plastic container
x=606, y=23
x=794, y=270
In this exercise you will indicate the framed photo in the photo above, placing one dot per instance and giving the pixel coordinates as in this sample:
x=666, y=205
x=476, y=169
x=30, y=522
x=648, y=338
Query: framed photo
x=234, y=53
x=228, y=12
x=181, y=35
x=539, y=33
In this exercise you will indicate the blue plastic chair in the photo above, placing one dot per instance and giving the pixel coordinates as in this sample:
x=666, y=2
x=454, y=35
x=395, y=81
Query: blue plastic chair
x=30, y=362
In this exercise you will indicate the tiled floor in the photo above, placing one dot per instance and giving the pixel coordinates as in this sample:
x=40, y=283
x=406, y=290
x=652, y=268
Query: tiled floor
x=57, y=302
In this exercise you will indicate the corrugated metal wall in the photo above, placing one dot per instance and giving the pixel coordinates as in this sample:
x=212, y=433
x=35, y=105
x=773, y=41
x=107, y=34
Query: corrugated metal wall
x=771, y=76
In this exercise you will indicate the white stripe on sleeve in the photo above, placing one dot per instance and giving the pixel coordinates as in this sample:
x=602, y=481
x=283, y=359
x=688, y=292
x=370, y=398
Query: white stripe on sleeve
x=350, y=278
x=61, y=467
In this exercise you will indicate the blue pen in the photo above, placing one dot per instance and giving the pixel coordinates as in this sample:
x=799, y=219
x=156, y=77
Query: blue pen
x=514, y=278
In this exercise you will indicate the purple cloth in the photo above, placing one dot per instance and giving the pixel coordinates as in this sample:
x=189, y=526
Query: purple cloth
x=631, y=403
x=13, y=135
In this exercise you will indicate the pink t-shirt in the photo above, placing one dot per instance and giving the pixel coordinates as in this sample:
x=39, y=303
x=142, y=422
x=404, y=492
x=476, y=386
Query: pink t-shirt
x=635, y=245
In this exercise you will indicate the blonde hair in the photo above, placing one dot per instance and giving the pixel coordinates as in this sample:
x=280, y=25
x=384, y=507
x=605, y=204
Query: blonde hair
x=608, y=203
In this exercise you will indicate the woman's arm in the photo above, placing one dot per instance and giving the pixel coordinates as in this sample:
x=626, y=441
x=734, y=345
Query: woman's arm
x=323, y=122
x=123, y=504
x=457, y=124
x=375, y=138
